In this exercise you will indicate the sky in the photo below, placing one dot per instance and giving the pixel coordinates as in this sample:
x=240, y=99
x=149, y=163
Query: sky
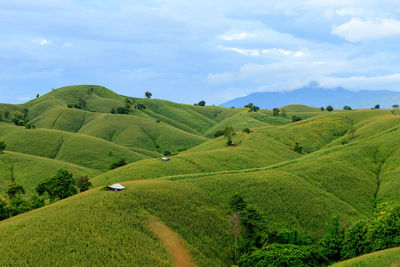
x=187, y=51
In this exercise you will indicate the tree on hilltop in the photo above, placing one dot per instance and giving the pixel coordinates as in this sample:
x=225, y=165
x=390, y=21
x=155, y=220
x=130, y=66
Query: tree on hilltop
x=329, y=108
x=148, y=94
x=347, y=108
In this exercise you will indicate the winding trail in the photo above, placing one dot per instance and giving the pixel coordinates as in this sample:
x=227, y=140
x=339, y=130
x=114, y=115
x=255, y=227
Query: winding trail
x=172, y=241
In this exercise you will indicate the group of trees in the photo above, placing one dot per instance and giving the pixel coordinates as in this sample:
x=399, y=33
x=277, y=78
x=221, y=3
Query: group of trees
x=376, y=107
x=19, y=118
x=82, y=104
x=252, y=107
x=129, y=104
x=255, y=244
x=61, y=185
x=382, y=231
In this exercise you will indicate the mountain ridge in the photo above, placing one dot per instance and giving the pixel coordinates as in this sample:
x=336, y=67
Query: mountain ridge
x=316, y=96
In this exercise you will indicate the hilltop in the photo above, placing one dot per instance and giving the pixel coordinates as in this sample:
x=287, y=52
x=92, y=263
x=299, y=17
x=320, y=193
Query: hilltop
x=297, y=175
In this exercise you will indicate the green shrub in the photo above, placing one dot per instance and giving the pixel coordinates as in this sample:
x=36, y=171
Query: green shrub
x=284, y=255
x=118, y=164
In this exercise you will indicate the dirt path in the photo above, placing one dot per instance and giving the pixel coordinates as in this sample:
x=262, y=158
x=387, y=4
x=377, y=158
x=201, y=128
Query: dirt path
x=172, y=241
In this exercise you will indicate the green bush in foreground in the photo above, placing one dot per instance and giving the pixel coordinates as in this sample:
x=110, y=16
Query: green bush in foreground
x=284, y=255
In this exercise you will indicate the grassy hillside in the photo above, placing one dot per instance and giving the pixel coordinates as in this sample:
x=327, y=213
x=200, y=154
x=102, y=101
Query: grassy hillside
x=108, y=228
x=29, y=170
x=253, y=150
x=388, y=257
x=79, y=149
x=349, y=162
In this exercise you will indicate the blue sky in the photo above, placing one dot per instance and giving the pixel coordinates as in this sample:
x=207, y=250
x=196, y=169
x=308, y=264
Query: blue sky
x=186, y=51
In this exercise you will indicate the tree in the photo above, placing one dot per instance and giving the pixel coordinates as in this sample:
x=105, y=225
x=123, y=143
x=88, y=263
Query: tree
x=112, y=111
x=275, y=111
x=140, y=106
x=298, y=148
x=249, y=105
x=82, y=103
x=2, y=147
x=4, y=211
x=167, y=153
x=396, y=106
x=83, y=183
x=246, y=130
x=322, y=108
x=296, y=118
x=118, y=164
x=377, y=106
x=37, y=95
x=90, y=91
x=229, y=132
x=329, y=108
x=202, y=103
x=218, y=133
x=6, y=114
x=237, y=203
x=347, y=108
x=122, y=110
x=253, y=227
x=15, y=190
x=148, y=94
x=331, y=243
x=60, y=186
x=234, y=227
x=254, y=108
x=354, y=240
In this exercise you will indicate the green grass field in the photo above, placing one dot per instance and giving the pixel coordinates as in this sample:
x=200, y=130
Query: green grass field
x=388, y=257
x=349, y=162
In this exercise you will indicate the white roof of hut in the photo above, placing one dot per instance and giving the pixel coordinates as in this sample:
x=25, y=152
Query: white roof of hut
x=165, y=158
x=117, y=186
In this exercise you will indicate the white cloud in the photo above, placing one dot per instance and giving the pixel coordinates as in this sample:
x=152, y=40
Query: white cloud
x=40, y=41
x=245, y=52
x=357, y=30
x=349, y=12
x=259, y=52
x=237, y=36
x=384, y=82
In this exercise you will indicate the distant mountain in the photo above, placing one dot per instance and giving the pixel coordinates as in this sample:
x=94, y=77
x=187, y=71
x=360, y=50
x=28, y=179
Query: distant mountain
x=317, y=97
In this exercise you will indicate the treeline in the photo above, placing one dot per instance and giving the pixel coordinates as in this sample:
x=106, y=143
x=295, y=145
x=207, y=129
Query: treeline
x=256, y=245
x=61, y=185
x=19, y=118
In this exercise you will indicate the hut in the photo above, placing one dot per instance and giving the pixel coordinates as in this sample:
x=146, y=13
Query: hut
x=116, y=187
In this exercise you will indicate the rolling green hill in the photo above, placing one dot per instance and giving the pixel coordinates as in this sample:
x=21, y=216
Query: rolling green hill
x=297, y=174
x=84, y=150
